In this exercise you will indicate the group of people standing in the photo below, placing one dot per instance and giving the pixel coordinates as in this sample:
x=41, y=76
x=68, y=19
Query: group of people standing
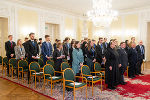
x=111, y=56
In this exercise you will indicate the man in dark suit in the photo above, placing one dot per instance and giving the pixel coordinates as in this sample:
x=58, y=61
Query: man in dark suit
x=141, y=55
x=9, y=47
x=66, y=48
x=105, y=44
x=123, y=60
x=47, y=49
x=132, y=56
x=32, y=50
x=100, y=51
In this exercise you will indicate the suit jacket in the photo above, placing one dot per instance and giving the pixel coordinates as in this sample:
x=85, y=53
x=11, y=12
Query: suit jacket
x=32, y=50
x=66, y=49
x=139, y=52
x=105, y=47
x=123, y=57
x=47, y=51
x=10, y=50
x=132, y=56
x=19, y=53
x=99, y=53
x=91, y=54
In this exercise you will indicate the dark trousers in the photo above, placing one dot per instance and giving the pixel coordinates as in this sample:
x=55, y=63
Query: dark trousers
x=132, y=69
x=122, y=70
x=139, y=64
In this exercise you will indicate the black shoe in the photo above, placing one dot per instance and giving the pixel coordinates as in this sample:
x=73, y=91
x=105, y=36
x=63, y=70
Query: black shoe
x=123, y=83
x=112, y=88
x=141, y=74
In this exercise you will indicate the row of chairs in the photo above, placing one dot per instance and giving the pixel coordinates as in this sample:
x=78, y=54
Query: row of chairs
x=38, y=70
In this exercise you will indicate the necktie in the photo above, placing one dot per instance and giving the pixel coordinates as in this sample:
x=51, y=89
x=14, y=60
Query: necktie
x=102, y=48
x=11, y=44
x=33, y=43
x=106, y=44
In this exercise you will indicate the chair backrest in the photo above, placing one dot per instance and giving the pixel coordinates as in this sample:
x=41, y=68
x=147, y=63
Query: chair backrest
x=23, y=63
x=64, y=65
x=5, y=61
x=51, y=62
x=13, y=62
x=68, y=74
x=97, y=66
x=41, y=63
x=1, y=59
x=34, y=66
x=85, y=70
x=64, y=60
x=48, y=69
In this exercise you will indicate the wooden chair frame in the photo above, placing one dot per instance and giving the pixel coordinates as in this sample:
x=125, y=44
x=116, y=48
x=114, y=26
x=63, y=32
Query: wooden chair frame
x=22, y=69
x=83, y=75
x=51, y=81
x=39, y=76
x=74, y=88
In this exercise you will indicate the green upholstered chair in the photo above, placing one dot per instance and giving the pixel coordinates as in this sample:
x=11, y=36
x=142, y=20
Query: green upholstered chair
x=41, y=63
x=4, y=64
x=85, y=72
x=12, y=66
x=64, y=65
x=51, y=62
x=49, y=75
x=69, y=81
x=22, y=68
x=34, y=69
x=97, y=68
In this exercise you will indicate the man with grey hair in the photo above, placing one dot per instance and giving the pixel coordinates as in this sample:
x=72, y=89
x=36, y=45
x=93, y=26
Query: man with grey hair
x=141, y=56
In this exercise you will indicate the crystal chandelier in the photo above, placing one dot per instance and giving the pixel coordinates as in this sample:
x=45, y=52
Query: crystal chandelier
x=102, y=14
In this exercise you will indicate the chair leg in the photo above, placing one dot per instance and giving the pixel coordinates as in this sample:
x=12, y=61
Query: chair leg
x=74, y=93
x=101, y=85
x=63, y=90
x=18, y=74
x=86, y=92
x=92, y=88
x=51, y=88
x=12, y=73
x=22, y=76
x=35, y=81
x=2, y=69
x=5, y=71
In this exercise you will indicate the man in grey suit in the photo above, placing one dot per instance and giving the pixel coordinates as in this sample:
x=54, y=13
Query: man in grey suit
x=123, y=60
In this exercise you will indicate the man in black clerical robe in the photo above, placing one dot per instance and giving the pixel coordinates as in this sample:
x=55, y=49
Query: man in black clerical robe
x=112, y=67
x=123, y=60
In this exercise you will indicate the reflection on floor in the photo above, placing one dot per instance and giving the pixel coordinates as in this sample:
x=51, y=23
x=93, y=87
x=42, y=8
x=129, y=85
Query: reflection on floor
x=11, y=91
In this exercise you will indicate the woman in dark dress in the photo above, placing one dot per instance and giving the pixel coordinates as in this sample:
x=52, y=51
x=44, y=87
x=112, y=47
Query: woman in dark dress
x=127, y=46
x=70, y=52
x=58, y=56
x=112, y=66
x=84, y=46
x=91, y=55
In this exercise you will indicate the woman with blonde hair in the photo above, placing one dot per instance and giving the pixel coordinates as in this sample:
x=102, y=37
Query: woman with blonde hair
x=19, y=50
